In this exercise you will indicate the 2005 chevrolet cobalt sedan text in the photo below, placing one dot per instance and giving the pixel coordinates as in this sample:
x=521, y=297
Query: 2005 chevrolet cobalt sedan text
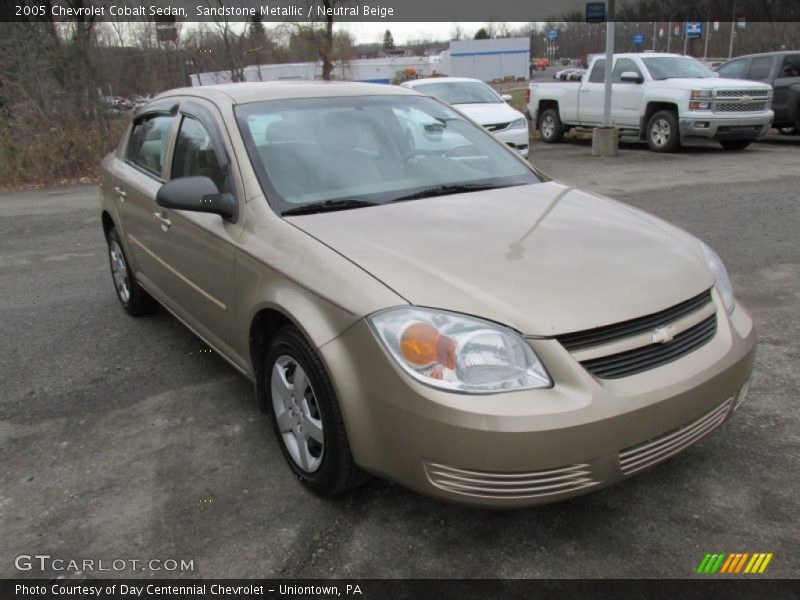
x=428, y=307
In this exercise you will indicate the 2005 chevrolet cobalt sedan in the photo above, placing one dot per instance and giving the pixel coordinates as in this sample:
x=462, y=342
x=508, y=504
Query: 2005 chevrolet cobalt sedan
x=427, y=308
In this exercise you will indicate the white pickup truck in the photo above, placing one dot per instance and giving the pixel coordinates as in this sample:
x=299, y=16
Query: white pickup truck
x=661, y=98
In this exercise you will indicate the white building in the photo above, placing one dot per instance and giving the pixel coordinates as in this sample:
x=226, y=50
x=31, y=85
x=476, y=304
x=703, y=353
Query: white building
x=490, y=59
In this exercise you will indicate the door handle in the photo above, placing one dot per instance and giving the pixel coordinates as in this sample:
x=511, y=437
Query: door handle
x=165, y=222
x=121, y=193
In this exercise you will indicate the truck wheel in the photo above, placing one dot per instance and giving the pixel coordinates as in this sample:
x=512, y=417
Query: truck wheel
x=735, y=145
x=550, y=127
x=662, y=132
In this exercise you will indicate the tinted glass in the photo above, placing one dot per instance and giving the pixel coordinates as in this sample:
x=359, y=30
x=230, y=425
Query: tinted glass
x=372, y=149
x=624, y=65
x=598, y=73
x=732, y=70
x=194, y=154
x=148, y=142
x=790, y=66
x=458, y=92
x=760, y=68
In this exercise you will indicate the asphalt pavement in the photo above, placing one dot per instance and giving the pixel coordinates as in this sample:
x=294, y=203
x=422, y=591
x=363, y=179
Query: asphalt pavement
x=121, y=439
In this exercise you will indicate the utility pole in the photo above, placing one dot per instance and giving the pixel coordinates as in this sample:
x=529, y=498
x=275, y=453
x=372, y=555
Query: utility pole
x=609, y=63
x=669, y=35
x=654, y=35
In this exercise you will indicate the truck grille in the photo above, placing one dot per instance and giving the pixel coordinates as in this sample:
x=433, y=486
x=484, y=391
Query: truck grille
x=651, y=452
x=534, y=484
x=610, y=333
x=740, y=107
x=651, y=356
x=759, y=93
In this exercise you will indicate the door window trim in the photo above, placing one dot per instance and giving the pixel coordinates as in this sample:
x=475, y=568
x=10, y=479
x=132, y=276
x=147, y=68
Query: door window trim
x=164, y=109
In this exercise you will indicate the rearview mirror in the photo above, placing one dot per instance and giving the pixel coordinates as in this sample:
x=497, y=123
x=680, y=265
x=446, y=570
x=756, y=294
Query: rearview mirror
x=197, y=194
x=631, y=77
x=507, y=97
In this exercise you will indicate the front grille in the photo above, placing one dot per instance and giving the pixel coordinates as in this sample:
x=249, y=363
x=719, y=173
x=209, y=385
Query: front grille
x=647, y=454
x=610, y=333
x=497, y=126
x=740, y=107
x=534, y=484
x=651, y=356
x=759, y=93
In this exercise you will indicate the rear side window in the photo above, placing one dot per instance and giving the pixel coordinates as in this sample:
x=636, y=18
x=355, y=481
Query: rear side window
x=732, y=70
x=598, y=71
x=790, y=66
x=760, y=68
x=148, y=142
x=194, y=154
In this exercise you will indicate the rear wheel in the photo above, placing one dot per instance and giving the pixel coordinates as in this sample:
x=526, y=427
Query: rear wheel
x=306, y=416
x=550, y=127
x=662, y=132
x=134, y=299
x=735, y=145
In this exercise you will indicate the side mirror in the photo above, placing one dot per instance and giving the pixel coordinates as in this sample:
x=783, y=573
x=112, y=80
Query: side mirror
x=197, y=194
x=507, y=97
x=631, y=77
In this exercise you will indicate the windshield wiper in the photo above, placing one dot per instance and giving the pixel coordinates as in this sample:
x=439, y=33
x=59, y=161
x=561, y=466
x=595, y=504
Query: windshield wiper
x=444, y=190
x=326, y=206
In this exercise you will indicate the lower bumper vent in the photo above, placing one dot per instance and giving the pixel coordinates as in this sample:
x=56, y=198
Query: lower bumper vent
x=534, y=484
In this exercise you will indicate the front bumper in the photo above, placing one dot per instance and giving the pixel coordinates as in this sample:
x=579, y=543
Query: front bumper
x=516, y=138
x=535, y=446
x=711, y=126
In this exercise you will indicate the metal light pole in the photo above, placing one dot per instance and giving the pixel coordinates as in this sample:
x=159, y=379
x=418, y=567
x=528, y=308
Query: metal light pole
x=609, y=62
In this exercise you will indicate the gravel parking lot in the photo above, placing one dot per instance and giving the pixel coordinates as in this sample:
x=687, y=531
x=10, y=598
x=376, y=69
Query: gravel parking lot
x=123, y=439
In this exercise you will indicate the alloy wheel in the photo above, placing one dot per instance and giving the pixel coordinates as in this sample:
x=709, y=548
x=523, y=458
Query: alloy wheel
x=119, y=270
x=660, y=132
x=548, y=126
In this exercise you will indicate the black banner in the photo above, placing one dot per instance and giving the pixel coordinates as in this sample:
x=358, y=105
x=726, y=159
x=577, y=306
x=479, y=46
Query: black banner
x=416, y=589
x=393, y=10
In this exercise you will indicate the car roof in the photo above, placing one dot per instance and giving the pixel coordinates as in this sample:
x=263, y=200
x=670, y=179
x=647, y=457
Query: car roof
x=246, y=92
x=415, y=82
x=773, y=53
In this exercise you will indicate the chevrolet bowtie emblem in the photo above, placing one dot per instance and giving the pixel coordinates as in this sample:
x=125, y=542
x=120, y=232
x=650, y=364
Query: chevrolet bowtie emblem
x=746, y=99
x=664, y=335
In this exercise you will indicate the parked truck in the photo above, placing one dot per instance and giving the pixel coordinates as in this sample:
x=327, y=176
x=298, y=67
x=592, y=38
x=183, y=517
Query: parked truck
x=664, y=99
x=782, y=71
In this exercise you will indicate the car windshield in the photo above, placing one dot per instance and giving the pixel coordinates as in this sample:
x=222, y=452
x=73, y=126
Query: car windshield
x=336, y=153
x=674, y=67
x=460, y=92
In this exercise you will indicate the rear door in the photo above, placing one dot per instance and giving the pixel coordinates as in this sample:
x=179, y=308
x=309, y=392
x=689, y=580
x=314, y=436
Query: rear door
x=196, y=250
x=786, y=96
x=138, y=178
x=590, y=97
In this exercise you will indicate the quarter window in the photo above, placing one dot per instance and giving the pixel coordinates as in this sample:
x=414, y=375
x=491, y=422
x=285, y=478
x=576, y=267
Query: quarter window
x=760, y=68
x=194, y=154
x=148, y=142
x=598, y=71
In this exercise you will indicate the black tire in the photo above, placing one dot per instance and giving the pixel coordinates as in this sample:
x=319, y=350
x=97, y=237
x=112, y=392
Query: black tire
x=133, y=298
x=735, y=145
x=663, y=134
x=336, y=472
x=551, y=129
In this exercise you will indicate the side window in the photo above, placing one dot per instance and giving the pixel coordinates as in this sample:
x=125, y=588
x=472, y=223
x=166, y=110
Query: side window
x=760, y=68
x=732, y=70
x=598, y=74
x=194, y=154
x=148, y=142
x=623, y=65
x=790, y=66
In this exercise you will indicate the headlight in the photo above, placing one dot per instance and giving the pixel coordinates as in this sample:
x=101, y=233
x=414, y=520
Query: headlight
x=518, y=124
x=724, y=286
x=701, y=94
x=458, y=353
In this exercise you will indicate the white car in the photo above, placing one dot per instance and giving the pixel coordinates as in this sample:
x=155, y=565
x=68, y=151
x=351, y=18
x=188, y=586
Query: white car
x=480, y=103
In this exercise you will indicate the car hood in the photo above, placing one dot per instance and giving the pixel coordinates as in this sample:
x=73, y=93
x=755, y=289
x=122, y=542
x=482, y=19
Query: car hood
x=710, y=83
x=489, y=114
x=544, y=259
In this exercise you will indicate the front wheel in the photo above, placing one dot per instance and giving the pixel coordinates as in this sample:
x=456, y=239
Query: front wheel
x=735, y=145
x=550, y=127
x=130, y=294
x=306, y=416
x=662, y=132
